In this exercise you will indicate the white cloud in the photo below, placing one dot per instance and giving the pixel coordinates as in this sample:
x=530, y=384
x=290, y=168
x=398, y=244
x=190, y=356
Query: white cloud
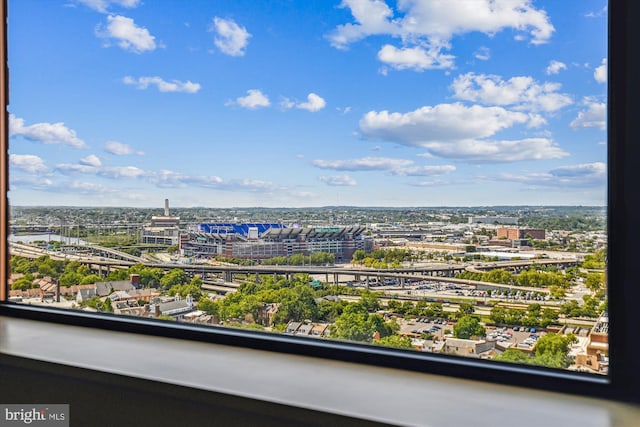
x=102, y=6
x=595, y=116
x=89, y=188
x=162, y=85
x=314, y=103
x=555, y=67
x=497, y=151
x=32, y=182
x=286, y=103
x=432, y=183
x=127, y=34
x=254, y=99
x=91, y=167
x=599, y=13
x=91, y=160
x=483, y=53
x=231, y=38
x=28, y=163
x=372, y=17
x=397, y=167
x=122, y=172
x=571, y=176
x=431, y=25
x=439, y=123
x=251, y=185
x=415, y=58
x=46, y=133
x=66, y=168
x=171, y=179
x=587, y=169
x=522, y=92
x=424, y=170
x=363, y=164
x=455, y=131
x=338, y=180
x=119, y=149
x=600, y=74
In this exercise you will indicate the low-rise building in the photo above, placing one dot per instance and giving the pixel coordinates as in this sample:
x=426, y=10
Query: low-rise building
x=105, y=288
x=85, y=294
x=266, y=314
x=465, y=347
x=163, y=229
x=175, y=307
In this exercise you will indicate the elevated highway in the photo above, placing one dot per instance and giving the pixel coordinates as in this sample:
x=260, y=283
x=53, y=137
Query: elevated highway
x=332, y=274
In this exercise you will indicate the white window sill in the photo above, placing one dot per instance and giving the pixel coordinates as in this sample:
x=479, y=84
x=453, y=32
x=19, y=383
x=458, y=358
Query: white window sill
x=361, y=391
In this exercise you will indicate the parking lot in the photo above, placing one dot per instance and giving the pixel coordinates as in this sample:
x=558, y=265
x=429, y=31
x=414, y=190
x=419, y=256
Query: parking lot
x=520, y=336
x=422, y=325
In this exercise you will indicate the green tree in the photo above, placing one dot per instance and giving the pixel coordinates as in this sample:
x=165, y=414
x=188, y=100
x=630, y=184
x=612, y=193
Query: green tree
x=385, y=329
x=329, y=311
x=513, y=355
x=22, y=265
x=552, y=350
x=117, y=274
x=177, y=276
x=467, y=327
x=352, y=324
x=90, y=279
x=186, y=289
x=369, y=300
x=594, y=281
x=70, y=278
x=149, y=276
x=395, y=341
x=209, y=306
x=465, y=309
x=23, y=283
x=498, y=315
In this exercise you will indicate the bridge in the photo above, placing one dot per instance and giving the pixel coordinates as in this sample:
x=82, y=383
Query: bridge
x=103, y=259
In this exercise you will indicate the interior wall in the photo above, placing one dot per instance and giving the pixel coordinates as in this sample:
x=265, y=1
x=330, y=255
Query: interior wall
x=101, y=399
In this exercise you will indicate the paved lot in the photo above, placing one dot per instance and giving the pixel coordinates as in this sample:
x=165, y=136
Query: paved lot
x=416, y=326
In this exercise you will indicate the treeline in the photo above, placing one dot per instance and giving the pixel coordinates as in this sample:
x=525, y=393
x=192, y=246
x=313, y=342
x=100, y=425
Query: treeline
x=592, y=307
x=71, y=273
x=420, y=308
x=318, y=258
x=552, y=350
x=298, y=302
x=569, y=223
x=529, y=278
x=532, y=316
x=383, y=258
x=596, y=261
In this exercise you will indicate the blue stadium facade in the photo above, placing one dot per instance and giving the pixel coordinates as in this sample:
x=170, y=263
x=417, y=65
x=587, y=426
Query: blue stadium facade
x=256, y=241
x=236, y=229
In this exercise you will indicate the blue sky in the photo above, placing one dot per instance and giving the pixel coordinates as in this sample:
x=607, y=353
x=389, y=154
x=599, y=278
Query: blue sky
x=299, y=103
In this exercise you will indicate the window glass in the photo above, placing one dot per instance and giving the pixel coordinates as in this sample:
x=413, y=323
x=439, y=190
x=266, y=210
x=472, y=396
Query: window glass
x=423, y=176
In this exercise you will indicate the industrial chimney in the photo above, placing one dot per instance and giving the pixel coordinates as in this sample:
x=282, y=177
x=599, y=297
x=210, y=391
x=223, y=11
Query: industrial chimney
x=166, y=207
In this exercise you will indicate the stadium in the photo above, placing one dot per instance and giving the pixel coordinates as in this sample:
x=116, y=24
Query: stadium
x=267, y=240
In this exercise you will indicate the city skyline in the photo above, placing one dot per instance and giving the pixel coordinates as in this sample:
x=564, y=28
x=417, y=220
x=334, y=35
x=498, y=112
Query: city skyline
x=302, y=104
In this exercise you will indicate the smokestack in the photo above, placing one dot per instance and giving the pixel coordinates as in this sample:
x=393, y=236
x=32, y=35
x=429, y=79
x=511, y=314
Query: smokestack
x=166, y=207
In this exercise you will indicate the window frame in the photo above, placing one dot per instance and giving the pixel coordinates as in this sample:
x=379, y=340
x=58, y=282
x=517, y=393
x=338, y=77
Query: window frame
x=623, y=233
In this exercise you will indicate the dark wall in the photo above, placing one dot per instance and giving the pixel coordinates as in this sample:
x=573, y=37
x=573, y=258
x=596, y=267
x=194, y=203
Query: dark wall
x=99, y=399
